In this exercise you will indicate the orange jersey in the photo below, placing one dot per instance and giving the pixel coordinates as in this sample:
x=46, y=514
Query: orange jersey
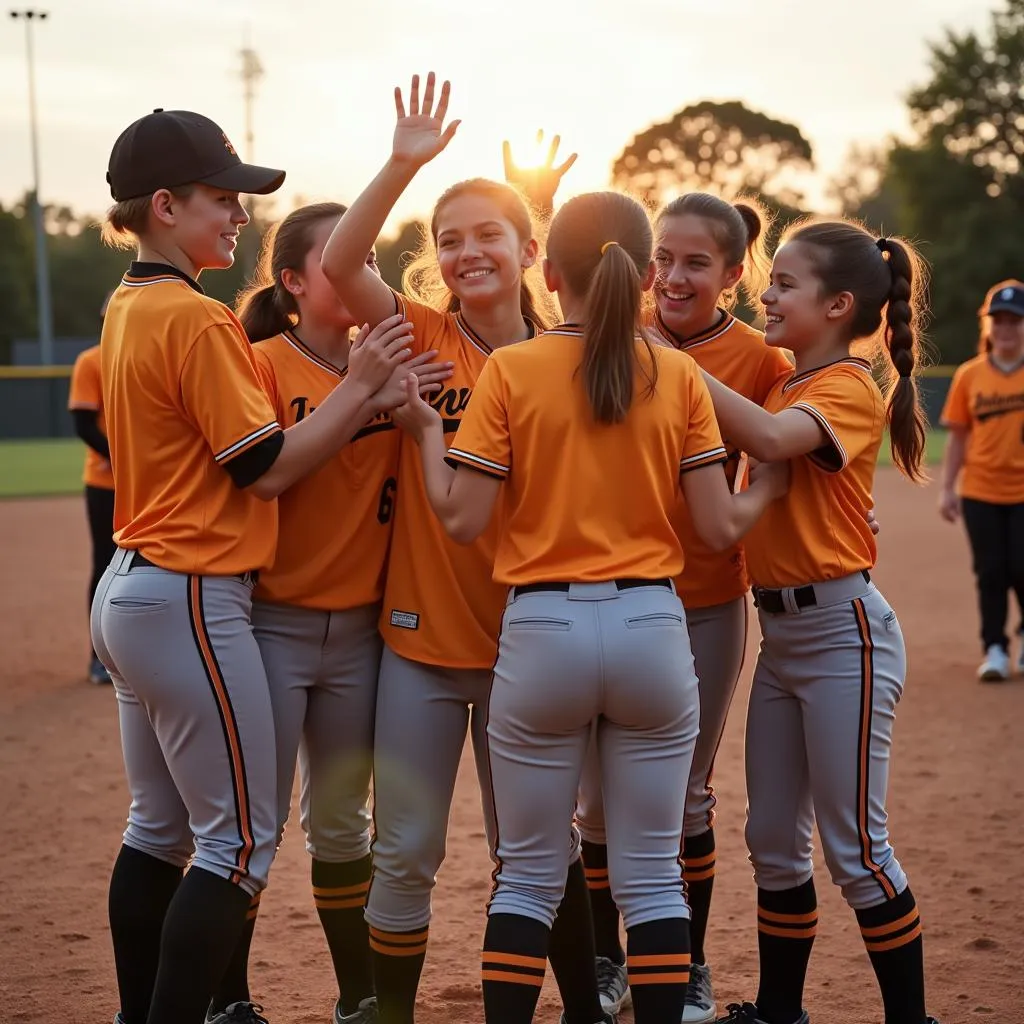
x=735, y=354
x=819, y=530
x=183, y=399
x=988, y=403
x=87, y=393
x=335, y=524
x=441, y=606
x=585, y=501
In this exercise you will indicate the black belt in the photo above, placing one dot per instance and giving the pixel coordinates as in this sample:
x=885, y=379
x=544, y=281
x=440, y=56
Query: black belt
x=803, y=597
x=138, y=559
x=563, y=588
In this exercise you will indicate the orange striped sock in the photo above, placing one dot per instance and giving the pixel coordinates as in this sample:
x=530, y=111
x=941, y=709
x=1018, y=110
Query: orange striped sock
x=397, y=959
x=658, y=962
x=512, y=967
x=892, y=936
x=699, y=875
x=787, y=922
x=339, y=892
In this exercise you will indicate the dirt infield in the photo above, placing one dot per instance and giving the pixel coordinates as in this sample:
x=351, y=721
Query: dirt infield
x=957, y=807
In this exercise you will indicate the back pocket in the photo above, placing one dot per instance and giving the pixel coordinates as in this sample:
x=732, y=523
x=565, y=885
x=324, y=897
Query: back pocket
x=539, y=622
x=653, y=620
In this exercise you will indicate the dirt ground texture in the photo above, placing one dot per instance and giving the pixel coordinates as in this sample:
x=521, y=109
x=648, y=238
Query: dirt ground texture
x=956, y=809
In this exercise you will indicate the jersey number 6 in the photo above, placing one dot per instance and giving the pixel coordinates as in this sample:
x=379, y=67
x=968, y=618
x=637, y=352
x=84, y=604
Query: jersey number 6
x=386, y=505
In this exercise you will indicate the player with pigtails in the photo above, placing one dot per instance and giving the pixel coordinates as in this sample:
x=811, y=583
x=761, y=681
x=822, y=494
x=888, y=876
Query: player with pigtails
x=832, y=662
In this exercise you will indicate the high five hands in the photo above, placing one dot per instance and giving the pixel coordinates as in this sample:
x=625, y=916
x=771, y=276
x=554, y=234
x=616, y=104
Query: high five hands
x=539, y=183
x=421, y=134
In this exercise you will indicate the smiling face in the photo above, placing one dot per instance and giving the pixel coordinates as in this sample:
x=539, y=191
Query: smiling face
x=1006, y=336
x=206, y=226
x=797, y=310
x=692, y=273
x=479, y=252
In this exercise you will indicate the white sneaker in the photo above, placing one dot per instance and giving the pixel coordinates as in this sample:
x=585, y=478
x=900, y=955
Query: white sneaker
x=700, y=996
x=996, y=666
x=612, y=985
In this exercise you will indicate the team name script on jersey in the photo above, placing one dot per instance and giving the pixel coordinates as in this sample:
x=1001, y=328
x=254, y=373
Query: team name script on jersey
x=987, y=407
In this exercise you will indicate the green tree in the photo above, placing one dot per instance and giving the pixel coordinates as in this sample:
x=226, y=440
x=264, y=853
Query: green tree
x=723, y=147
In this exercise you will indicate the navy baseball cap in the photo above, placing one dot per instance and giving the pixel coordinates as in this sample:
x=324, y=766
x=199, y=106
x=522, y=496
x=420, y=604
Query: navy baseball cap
x=1007, y=300
x=169, y=148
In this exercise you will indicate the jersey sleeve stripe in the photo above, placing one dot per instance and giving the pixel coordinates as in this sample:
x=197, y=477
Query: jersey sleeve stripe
x=708, y=458
x=833, y=437
x=458, y=457
x=246, y=442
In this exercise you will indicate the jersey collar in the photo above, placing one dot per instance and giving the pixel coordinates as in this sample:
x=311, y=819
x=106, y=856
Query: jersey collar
x=151, y=273
x=303, y=349
x=479, y=342
x=798, y=378
x=723, y=322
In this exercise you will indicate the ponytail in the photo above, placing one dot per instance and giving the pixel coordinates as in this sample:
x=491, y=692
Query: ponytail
x=904, y=415
x=601, y=244
x=265, y=307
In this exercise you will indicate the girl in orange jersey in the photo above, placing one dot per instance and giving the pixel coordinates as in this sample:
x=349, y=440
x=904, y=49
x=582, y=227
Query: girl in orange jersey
x=705, y=249
x=442, y=610
x=983, y=471
x=198, y=458
x=591, y=428
x=315, y=610
x=832, y=662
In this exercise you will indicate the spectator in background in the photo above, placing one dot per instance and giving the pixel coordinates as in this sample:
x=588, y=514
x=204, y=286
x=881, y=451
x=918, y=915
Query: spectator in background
x=85, y=402
x=983, y=470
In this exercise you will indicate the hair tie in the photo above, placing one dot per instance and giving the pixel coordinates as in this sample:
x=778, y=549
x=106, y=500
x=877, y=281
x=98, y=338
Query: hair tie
x=883, y=244
x=607, y=246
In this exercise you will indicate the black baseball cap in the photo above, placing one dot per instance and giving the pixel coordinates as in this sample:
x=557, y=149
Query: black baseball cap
x=169, y=148
x=1007, y=300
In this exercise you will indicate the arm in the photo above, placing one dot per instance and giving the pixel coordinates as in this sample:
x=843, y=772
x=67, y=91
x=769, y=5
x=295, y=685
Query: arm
x=539, y=184
x=464, y=502
x=88, y=429
x=952, y=463
x=375, y=357
x=419, y=137
x=722, y=518
x=769, y=437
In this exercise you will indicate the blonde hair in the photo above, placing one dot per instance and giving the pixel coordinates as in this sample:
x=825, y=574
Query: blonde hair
x=125, y=222
x=422, y=281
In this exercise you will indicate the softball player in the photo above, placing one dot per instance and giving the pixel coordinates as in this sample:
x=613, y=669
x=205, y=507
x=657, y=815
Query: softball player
x=198, y=458
x=832, y=661
x=591, y=430
x=85, y=402
x=442, y=610
x=315, y=610
x=702, y=247
x=983, y=471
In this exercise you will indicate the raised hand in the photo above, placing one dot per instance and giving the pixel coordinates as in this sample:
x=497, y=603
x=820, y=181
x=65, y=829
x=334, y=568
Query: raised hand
x=375, y=354
x=540, y=183
x=421, y=134
x=414, y=415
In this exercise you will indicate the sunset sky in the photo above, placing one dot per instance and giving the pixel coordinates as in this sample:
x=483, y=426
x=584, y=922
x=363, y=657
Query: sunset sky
x=597, y=71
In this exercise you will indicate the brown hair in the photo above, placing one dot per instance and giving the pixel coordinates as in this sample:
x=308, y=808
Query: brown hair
x=265, y=306
x=601, y=244
x=422, y=282
x=984, y=323
x=125, y=222
x=739, y=229
x=885, y=276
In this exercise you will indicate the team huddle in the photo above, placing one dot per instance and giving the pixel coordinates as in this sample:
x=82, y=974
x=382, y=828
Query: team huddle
x=525, y=498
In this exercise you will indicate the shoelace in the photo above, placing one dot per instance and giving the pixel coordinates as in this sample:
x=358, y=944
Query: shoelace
x=247, y=1013
x=699, y=988
x=740, y=1013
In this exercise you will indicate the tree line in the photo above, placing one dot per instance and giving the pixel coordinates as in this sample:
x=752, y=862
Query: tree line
x=955, y=185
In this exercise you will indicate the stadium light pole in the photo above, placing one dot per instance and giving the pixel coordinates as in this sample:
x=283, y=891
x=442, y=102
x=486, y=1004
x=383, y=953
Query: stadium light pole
x=45, y=310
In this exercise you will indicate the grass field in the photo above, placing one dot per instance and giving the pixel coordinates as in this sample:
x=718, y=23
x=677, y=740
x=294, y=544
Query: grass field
x=34, y=468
